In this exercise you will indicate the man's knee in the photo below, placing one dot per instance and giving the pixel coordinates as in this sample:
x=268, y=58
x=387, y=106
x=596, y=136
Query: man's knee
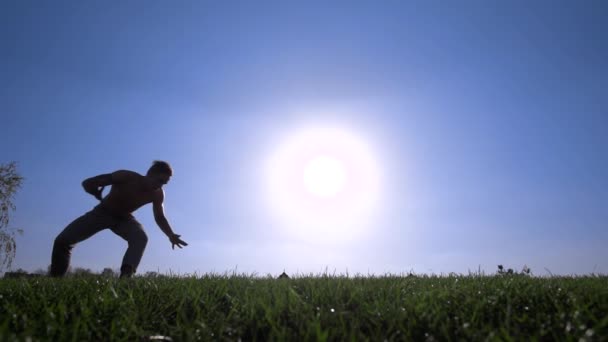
x=144, y=238
x=62, y=242
x=139, y=239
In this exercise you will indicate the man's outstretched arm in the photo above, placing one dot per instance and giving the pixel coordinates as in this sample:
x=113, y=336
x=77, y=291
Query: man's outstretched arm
x=163, y=223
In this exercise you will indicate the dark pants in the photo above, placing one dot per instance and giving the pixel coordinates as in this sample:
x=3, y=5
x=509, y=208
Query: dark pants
x=88, y=225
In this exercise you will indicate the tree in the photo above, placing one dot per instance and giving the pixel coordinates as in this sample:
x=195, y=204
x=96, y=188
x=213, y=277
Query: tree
x=10, y=181
x=82, y=272
x=19, y=273
x=108, y=272
x=41, y=271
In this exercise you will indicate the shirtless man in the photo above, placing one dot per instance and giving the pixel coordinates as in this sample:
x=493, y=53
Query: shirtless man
x=129, y=192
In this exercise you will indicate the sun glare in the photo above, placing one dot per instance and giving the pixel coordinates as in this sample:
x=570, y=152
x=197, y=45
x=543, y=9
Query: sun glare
x=322, y=182
x=324, y=176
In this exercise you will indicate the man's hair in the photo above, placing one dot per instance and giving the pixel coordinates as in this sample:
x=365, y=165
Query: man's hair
x=159, y=166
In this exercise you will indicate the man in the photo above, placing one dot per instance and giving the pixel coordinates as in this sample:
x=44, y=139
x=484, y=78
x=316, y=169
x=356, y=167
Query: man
x=129, y=192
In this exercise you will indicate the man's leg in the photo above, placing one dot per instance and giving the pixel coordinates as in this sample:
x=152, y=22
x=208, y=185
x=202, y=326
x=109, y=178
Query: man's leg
x=133, y=232
x=80, y=229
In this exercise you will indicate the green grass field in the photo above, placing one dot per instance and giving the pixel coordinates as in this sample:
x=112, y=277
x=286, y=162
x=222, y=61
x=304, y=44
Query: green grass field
x=233, y=307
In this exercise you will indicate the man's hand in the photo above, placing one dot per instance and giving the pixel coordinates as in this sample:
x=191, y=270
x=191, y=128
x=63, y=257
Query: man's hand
x=175, y=240
x=97, y=193
x=95, y=185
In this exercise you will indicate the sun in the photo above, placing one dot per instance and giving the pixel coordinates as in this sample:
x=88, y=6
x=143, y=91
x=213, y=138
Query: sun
x=322, y=182
x=324, y=176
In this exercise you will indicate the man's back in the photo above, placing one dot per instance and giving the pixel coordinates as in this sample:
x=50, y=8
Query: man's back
x=129, y=192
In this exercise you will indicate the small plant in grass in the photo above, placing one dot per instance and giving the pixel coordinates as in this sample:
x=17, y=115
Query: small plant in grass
x=525, y=271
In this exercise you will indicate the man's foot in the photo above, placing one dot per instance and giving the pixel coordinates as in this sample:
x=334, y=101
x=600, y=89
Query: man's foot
x=126, y=271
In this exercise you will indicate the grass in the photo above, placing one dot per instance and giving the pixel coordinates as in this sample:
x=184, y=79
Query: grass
x=233, y=307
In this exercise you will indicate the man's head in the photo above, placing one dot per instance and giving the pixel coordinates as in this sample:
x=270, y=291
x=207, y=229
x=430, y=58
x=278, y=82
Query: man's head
x=160, y=172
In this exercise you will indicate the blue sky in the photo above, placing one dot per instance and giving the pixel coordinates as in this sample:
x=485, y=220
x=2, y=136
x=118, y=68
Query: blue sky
x=488, y=121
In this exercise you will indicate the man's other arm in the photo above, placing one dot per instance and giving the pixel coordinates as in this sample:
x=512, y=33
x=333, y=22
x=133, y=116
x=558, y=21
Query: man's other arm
x=95, y=185
x=163, y=223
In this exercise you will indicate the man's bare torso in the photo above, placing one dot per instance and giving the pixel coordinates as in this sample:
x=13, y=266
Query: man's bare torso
x=128, y=196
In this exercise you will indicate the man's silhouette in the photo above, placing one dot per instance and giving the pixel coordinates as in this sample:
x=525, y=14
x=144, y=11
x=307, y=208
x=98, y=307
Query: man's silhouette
x=129, y=192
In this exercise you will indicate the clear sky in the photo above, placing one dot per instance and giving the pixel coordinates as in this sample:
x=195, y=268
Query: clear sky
x=462, y=135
